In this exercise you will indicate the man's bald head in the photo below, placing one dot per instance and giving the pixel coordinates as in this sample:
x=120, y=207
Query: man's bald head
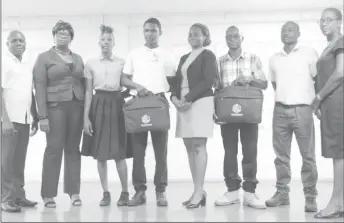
x=14, y=33
x=290, y=32
x=16, y=43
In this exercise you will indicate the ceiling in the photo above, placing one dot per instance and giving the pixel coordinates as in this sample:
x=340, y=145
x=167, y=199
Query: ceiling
x=80, y=7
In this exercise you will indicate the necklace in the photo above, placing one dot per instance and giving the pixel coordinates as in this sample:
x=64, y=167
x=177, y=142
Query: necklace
x=61, y=52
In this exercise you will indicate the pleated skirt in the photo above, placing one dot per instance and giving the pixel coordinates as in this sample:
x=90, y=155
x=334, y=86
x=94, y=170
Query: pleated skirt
x=109, y=139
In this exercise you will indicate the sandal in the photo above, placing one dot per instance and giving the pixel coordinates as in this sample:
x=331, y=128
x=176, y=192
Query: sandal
x=49, y=203
x=77, y=202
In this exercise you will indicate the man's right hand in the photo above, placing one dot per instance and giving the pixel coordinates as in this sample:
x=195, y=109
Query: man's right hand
x=142, y=91
x=88, y=127
x=44, y=125
x=8, y=128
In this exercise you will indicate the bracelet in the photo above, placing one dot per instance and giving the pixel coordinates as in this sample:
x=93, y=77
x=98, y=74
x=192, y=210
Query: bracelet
x=318, y=97
x=42, y=117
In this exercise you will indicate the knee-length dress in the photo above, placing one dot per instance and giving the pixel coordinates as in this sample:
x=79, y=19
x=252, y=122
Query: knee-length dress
x=198, y=120
x=109, y=139
x=332, y=120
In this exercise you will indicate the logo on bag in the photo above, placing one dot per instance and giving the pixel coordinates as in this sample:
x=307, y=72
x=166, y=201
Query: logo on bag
x=145, y=119
x=236, y=110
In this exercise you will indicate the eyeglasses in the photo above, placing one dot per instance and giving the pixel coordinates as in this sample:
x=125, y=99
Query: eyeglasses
x=60, y=34
x=327, y=20
x=233, y=37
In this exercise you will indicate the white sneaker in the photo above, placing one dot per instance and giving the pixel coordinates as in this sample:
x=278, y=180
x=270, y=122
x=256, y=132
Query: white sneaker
x=251, y=200
x=228, y=198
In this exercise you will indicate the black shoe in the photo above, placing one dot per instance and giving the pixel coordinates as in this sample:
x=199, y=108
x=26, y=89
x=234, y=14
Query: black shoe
x=106, y=201
x=10, y=206
x=201, y=203
x=25, y=203
x=138, y=199
x=123, y=199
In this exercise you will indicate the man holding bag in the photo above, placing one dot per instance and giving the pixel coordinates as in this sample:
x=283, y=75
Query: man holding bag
x=239, y=68
x=152, y=67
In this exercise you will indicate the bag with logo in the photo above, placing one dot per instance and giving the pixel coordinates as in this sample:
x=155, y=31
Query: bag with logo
x=239, y=104
x=143, y=114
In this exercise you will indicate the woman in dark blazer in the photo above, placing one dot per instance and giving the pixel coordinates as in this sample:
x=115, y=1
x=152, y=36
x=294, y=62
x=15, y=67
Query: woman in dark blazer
x=192, y=96
x=59, y=85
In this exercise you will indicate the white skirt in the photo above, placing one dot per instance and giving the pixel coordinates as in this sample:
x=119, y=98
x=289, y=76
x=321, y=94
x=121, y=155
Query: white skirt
x=198, y=120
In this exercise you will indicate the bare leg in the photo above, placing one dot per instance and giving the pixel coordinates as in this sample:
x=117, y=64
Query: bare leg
x=336, y=202
x=122, y=171
x=200, y=159
x=189, y=148
x=102, y=170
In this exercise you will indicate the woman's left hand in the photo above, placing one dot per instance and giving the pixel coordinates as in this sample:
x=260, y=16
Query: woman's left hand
x=316, y=104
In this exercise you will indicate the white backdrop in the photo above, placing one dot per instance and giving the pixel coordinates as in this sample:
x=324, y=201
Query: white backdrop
x=262, y=36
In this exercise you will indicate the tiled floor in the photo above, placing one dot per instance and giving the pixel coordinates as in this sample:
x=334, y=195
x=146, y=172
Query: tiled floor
x=177, y=192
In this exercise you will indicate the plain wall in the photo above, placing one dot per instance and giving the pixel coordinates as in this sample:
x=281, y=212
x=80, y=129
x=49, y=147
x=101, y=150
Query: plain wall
x=262, y=36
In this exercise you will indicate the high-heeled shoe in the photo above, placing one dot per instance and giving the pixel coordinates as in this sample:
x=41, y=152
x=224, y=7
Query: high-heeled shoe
x=335, y=214
x=201, y=203
x=188, y=201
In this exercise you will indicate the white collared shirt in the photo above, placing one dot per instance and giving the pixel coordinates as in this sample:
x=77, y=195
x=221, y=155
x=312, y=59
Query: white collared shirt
x=106, y=73
x=150, y=67
x=17, y=82
x=293, y=74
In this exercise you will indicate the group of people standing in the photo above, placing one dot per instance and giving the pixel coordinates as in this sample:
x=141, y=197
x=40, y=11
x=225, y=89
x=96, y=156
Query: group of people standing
x=65, y=108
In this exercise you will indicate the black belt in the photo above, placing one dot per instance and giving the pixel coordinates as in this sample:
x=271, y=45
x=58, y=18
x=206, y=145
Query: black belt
x=290, y=106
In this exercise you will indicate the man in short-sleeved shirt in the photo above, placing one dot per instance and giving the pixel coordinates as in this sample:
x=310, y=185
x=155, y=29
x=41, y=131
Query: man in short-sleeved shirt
x=18, y=112
x=238, y=67
x=292, y=71
x=150, y=66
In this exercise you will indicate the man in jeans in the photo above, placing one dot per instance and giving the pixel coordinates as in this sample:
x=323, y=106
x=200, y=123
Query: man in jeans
x=150, y=66
x=292, y=71
x=238, y=67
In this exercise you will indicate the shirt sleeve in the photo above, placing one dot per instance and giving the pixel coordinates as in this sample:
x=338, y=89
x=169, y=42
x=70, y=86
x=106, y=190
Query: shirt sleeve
x=313, y=62
x=4, y=73
x=129, y=65
x=339, y=45
x=272, y=74
x=88, y=73
x=217, y=84
x=170, y=65
x=257, y=68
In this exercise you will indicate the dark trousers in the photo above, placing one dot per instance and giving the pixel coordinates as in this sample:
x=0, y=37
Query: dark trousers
x=66, y=122
x=139, y=141
x=249, y=140
x=13, y=156
x=298, y=120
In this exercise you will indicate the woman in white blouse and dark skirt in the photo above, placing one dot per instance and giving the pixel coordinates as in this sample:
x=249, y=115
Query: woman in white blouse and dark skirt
x=105, y=137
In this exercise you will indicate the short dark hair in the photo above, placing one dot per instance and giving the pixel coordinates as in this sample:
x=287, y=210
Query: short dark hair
x=61, y=25
x=153, y=21
x=294, y=24
x=11, y=33
x=106, y=29
x=336, y=11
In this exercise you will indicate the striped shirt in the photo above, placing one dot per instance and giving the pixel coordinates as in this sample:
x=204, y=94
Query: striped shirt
x=247, y=65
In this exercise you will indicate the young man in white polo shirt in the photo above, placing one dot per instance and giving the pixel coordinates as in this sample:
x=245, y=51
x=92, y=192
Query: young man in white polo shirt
x=292, y=71
x=17, y=104
x=150, y=66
